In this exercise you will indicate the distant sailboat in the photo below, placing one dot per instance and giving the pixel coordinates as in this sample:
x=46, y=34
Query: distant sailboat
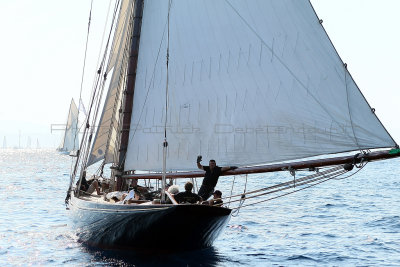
x=19, y=141
x=70, y=141
x=29, y=143
x=256, y=84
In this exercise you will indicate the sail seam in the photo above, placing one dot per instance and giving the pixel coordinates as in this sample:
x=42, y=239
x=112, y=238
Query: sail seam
x=132, y=135
x=283, y=64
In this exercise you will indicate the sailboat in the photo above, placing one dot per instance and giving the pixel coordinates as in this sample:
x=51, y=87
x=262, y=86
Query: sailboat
x=70, y=141
x=255, y=84
x=29, y=143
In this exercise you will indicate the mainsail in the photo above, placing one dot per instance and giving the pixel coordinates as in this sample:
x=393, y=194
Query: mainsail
x=70, y=141
x=250, y=82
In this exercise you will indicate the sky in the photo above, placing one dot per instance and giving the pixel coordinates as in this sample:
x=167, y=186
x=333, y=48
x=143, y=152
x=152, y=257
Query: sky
x=43, y=43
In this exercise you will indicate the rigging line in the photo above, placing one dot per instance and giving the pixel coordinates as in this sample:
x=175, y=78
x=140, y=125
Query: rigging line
x=116, y=37
x=165, y=143
x=122, y=69
x=288, y=193
x=348, y=106
x=105, y=27
x=291, y=182
x=241, y=200
x=95, y=95
x=96, y=80
x=330, y=176
x=102, y=79
x=233, y=183
x=80, y=94
x=245, y=185
x=358, y=89
x=359, y=169
x=281, y=61
x=166, y=89
x=287, y=185
x=86, y=47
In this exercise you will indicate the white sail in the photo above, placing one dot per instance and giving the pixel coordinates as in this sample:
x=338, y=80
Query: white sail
x=70, y=142
x=29, y=142
x=106, y=136
x=250, y=82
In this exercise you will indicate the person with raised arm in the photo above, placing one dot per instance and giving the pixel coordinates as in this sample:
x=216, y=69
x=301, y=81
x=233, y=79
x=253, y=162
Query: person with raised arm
x=210, y=177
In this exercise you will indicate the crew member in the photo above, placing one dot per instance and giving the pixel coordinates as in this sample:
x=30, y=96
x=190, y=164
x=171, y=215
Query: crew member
x=210, y=177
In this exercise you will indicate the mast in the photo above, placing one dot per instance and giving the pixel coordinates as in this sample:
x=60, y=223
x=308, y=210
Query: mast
x=165, y=143
x=130, y=86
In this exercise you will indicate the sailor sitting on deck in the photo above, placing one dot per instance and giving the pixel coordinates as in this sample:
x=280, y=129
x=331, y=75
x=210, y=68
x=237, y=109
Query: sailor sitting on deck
x=89, y=186
x=216, y=200
x=173, y=190
x=131, y=197
x=187, y=196
x=141, y=192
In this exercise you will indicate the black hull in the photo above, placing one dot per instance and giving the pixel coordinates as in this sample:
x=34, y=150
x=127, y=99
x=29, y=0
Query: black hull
x=165, y=227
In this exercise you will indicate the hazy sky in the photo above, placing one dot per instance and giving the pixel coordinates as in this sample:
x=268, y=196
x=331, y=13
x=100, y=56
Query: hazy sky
x=43, y=41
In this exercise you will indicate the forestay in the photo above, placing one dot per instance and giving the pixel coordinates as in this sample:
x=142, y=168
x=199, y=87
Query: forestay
x=250, y=82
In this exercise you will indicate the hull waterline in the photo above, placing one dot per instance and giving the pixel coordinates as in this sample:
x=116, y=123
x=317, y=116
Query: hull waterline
x=167, y=227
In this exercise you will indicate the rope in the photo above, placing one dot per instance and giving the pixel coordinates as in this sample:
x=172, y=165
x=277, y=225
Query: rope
x=167, y=78
x=298, y=184
x=197, y=187
x=315, y=179
x=233, y=183
x=291, y=182
x=360, y=167
x=321, y=180
x=235, y=213
x=72, y=177
x=94, y=99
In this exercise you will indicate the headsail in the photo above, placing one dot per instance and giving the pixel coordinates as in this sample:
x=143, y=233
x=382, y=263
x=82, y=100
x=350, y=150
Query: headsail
x=104, y=146
x=251, y=82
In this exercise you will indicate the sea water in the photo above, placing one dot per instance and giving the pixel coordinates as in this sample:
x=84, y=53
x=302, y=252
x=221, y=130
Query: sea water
x=348, y=222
